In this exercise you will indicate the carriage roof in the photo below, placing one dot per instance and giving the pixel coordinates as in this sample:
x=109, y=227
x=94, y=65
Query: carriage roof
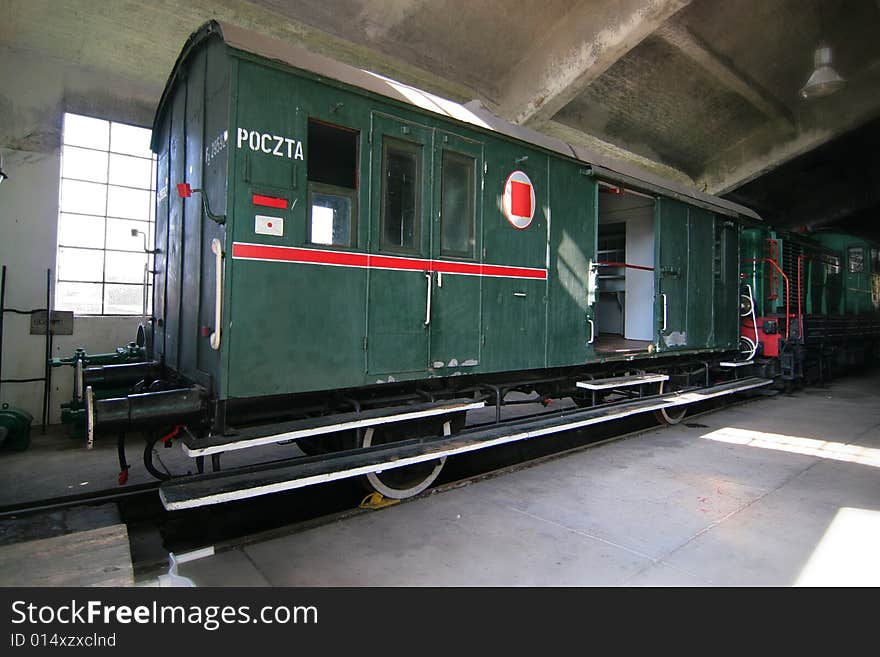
x=474, y=113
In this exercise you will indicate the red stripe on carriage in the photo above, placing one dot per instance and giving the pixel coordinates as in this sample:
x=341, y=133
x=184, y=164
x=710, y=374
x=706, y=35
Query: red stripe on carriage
x=270, y=201
x=394, y=262
x=245, y=251
x=290, y=254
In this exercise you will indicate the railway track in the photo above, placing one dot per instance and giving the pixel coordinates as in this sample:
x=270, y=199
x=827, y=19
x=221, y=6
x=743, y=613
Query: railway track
x=67, y=501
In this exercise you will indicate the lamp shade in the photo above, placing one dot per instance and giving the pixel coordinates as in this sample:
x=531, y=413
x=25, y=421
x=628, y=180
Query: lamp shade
x=824, y=79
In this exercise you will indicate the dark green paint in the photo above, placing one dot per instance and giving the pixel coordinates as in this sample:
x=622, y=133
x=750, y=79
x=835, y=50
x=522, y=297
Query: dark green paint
x=574, y=201
x=685, y=278
x=296, y=327
x=455, y=329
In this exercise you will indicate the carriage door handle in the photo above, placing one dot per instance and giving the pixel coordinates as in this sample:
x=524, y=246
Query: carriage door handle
x=217, y=249
x=664, y=312
x=592, y=331
x=428, y=302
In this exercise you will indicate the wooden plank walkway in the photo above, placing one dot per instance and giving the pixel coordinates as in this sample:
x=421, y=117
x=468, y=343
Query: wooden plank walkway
x=96, y=557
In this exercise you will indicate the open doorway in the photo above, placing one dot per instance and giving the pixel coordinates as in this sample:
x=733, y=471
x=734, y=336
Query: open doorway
x=624, y=309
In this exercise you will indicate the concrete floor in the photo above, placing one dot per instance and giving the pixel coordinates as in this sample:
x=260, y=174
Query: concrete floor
x=779, y=491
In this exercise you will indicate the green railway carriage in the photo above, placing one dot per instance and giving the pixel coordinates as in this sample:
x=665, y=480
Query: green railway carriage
x=378, y=210
x=859, y=275
x=827, y=285
x=829, y=273
x=329, y=240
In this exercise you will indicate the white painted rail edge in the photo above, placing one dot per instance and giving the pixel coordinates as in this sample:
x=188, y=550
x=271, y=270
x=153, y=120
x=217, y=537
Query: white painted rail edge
x=194, y=555
x=342, y=426
x=605, y=384
x=245, y=493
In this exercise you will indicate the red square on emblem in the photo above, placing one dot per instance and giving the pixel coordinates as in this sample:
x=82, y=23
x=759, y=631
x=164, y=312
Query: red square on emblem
x=520, y=199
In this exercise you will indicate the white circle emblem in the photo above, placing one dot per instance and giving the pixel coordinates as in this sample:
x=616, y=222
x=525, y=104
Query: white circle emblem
x=518, y=200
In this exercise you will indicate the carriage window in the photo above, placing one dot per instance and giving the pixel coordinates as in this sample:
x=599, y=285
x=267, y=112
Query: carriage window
x=717, y=261
x=457, y=205
x=333, y=154
x=333, y=181
x=401, y=167
x=331, y=215
x=832, y=264
x=856, y=259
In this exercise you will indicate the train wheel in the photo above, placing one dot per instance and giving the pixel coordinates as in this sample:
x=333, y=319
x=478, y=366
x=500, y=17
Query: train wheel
x=672, y=415
x=399, y=483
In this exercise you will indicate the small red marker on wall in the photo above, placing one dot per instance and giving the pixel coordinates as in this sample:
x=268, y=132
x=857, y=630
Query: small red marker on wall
x=185, y=191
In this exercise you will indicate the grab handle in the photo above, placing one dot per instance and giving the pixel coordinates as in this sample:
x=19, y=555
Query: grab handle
x=428, y=302
x=664, y=312
x=592, y=331
x=217, y=250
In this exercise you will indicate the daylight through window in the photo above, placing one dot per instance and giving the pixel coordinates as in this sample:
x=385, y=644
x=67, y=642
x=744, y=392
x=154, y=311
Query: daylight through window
x=108, y=178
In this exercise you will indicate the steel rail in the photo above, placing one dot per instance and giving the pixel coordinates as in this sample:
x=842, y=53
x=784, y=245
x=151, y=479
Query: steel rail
x=55, y=503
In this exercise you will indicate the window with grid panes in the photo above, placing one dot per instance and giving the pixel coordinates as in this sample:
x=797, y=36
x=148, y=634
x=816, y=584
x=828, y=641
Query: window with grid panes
x=108, y=177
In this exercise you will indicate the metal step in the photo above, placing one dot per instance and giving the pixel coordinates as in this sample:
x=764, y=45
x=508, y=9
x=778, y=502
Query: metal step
x=622, y=381
x=276, y=433
x=743, y=363
x=216, y=488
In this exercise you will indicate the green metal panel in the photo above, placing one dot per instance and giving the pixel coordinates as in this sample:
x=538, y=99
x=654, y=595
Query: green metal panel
x=849, y=292
x=291, y=326
x=514, y=310
x=160, y=259
x=184, y=281
x=174, y=258
x=858, y=278
x=455, y=310
x=398, y=300
x=574, y=204
x=264, y=316
x=300, y=327
x=215, y=181
x=191, y=237
x=727, y=322
x=671, y=273
x=700, y=277
x=513, y=327
x=684, y=276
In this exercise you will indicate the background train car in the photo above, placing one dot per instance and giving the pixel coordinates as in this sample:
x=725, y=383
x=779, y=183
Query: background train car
x=827, y=285
x=348, y=262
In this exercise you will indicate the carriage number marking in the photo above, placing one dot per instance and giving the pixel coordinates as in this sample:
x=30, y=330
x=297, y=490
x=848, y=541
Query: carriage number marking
x=270, y=144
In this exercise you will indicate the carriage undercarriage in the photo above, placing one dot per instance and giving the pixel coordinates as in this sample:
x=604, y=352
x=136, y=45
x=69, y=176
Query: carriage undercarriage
x=397, y=439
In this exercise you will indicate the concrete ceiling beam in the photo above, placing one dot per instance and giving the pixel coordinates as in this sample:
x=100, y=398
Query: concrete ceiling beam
x=724, y=72
x=821, y=121
x=580, y=47
x=579, y=138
